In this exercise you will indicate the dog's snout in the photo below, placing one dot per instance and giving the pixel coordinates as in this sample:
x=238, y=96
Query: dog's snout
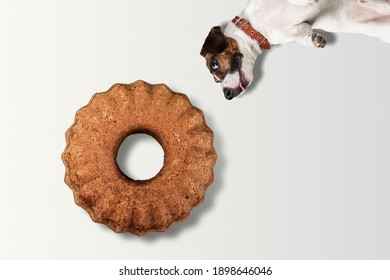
x=229, y=94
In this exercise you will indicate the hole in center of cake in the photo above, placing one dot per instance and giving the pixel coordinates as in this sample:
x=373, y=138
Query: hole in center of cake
x=140, y=157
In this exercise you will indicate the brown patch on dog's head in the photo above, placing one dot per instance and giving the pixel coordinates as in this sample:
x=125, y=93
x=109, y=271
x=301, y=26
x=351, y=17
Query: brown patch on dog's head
x=222, y=54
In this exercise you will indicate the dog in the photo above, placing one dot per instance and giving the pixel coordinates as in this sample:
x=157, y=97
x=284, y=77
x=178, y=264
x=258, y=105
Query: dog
x=231, y=55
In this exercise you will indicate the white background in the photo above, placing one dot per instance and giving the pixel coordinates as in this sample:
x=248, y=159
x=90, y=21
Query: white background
x=304, y=157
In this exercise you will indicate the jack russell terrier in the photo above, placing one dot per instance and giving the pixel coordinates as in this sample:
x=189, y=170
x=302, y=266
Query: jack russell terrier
x=230, y=56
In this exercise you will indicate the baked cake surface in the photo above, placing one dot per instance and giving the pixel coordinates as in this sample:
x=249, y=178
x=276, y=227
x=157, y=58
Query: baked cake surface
x=93, y=141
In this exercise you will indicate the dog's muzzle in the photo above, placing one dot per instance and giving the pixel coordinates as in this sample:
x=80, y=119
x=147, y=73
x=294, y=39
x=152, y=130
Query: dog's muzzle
x=236, y=90
x=235, y=66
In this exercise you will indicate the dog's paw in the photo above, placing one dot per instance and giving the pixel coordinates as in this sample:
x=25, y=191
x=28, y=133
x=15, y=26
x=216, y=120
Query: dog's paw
x=318, y=40
x=304, y=3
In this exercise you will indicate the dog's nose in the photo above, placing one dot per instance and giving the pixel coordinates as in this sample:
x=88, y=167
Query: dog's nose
x=229, y=94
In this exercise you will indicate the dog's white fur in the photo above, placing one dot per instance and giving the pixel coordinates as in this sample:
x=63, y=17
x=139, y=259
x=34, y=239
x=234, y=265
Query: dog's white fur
x=284, y=21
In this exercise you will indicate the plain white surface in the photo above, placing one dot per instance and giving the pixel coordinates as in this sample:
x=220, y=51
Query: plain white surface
x=304, y=157
x=140, y=156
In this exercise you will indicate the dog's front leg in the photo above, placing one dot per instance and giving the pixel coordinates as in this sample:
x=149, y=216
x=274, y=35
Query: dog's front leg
x=303, y=3
x=304, y=34
x=379, y=5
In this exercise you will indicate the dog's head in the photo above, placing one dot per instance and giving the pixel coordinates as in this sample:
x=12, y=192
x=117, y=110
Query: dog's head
x=228, y=63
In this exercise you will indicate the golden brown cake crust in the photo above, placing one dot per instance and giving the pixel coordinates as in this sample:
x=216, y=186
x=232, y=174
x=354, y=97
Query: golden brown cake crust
x=108, y=195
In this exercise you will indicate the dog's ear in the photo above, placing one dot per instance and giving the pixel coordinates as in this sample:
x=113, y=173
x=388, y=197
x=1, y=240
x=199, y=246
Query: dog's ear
x=215, y=42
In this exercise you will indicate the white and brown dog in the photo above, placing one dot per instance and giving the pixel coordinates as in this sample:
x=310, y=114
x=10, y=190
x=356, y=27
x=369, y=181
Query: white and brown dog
x=230, y=56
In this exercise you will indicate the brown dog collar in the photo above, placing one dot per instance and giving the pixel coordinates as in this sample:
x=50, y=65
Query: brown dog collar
x=245, y=26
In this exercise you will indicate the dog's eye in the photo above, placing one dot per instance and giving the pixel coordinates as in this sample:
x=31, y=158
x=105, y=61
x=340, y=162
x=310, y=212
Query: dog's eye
x=214, y=64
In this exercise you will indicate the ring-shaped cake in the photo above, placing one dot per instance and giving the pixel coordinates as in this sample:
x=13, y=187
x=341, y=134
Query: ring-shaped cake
x=104, y=191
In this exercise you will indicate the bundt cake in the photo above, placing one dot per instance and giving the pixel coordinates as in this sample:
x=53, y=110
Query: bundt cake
x=104, y=191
